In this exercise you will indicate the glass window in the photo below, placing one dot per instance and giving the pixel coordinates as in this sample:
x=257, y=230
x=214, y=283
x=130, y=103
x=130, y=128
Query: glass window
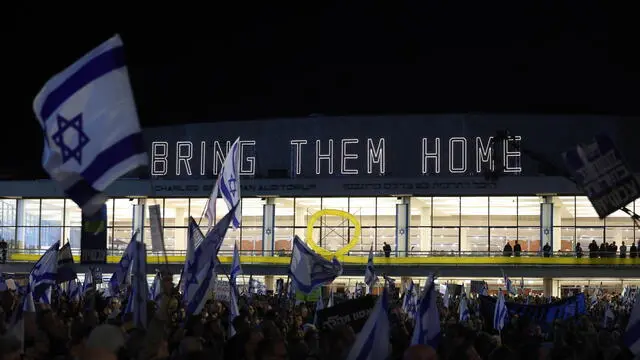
x=73, y=214
x=529, y=211
x=52, y=211
x=284, y=212
x=419, y=241
x=196, y=209
x=8, y=212
x=30, y=215
x=367, y=239
x=474, y=240
x=252, y=209
x=385, y=235
x=445, y=241
x=8, y=233
x=620, y=218
x=335, y=204
x=49, y=235
x=149, y=202
x=386, y=212
x=364, y=209
x=121, y=238
x=585, y=235
x=282, y=238
x=251, y=240
x=567, y=207
x=585, y=213
x=446, y=211
x=474, y=211
x=123, y=213
x=175, y=238
x=529, y=238
x=568, y=238
x=619, y=235
x=176, y=212
x=304, y=208
x=232, y=237
x=420, y=211
x=500, y=236
x=28, y=234
x=503, y=211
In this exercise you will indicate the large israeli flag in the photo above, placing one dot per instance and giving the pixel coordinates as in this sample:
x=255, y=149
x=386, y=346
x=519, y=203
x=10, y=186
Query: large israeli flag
x=123, y=269
x=370, y=277
x=194, y=237
x=373, y=340
x=229, y=182
x=91, y=131
x=45, y=271
x=500, y=312
x=309, y=270
x=427, y=328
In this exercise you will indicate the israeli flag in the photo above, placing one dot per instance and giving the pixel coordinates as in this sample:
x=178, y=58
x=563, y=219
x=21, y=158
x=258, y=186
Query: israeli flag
x=233, y=308
x=427, y=328
x=87, y=284
x=45, y=272
x=156, y=288
x=370, y=277
x=373, y=340
x=91, y=128
x=309, y=270
x=236, y=268
x=463, y=309
x=631, y=337
x=194, y=237
x=410, y=302
x=123, y=268
x=500, y=312
x=199, y=290
x=139, y=286
x=229, y=182
x=73, y=290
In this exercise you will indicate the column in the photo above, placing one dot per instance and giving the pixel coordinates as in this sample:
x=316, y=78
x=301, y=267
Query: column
x=402, y=226
x=181, y=233
x=546, y=222
x=268, y=222
x=464, y=240
x=425, y=228
x=547, y=285
x=20, y=241
x=138, y=219
x=556, y=230
x=270, y=282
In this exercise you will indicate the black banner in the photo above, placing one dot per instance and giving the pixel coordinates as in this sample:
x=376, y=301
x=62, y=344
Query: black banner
x=353, y=313
x=93, y=241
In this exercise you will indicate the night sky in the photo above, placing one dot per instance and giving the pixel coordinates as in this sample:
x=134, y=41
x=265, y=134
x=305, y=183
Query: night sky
x=219, y=63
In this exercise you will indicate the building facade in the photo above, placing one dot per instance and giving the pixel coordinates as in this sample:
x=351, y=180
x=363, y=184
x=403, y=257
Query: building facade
x=427, y=185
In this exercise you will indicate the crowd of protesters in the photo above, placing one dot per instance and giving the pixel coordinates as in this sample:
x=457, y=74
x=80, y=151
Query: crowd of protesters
x=270, y=328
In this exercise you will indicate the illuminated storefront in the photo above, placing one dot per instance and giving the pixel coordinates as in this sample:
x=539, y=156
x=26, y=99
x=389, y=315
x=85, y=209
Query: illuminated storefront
x=416, y=182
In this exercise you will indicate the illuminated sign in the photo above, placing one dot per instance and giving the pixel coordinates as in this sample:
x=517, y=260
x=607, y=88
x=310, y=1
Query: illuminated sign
x=340, y=156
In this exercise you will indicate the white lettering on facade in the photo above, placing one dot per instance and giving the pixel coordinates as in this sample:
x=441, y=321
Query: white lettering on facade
x=219, y=155
x=484, y=155
x=203, y=157
x=345, y=155
x=460, y=142
x=159, y=158
x=375, y=155
x=297, y=154
x=511, y=158
x=251, y=160
x=184, y=153
x=433, y=155
x=328, y=156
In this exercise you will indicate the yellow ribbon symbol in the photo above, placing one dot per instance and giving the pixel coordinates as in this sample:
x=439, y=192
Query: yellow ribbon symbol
x=355, y=239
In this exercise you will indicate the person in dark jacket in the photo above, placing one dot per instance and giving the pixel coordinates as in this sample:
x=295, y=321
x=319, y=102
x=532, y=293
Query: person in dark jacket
x=633, y=251
x=517, y=249
x=593, y=250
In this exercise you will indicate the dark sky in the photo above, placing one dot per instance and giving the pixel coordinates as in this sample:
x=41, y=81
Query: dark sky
x=218, y=63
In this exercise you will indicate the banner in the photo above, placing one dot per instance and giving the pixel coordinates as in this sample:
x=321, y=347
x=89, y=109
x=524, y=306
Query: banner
x=93, y=239
x=352, y=312
x=543, y=314
x=222, y=291
x=601, y=172
x=155, y=226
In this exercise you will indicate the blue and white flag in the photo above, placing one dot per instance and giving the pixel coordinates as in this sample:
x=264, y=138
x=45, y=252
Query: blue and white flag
x=189, y=271
x=73, y=290
x=65, y=264
x=372, y=342
x=45, y=271
x=427, y=328
x=463, y=309
x=87, y=284
x=309, y=270
x=330, y=301
x=123, y=268
x=501, y=312
x=410, y=302
x=370, y=277
x=229, y=182
x=92, y=133
x=156, y=288
x=207, y=258
x=631, y=337
x=236, y=268
x=139, y=286
x=45, y=296
x=233, y=308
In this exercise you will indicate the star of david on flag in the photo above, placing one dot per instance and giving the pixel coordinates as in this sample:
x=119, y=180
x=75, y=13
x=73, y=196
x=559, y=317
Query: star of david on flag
x=229, y=182
x=92, y=135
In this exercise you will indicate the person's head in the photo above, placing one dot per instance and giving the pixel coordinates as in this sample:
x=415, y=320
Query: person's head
x=272, y=350
x=10, y=348
x=516, y=242
x=420, y=352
